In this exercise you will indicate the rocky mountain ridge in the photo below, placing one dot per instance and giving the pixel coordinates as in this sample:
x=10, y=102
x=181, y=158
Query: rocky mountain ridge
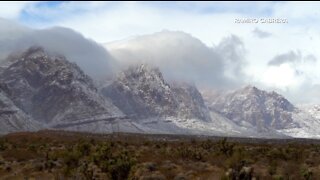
x=52, y=90
x=41, y=90
x=141, y=92
x=250, y=106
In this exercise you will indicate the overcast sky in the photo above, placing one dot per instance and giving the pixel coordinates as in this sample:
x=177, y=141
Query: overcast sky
x=277, y=56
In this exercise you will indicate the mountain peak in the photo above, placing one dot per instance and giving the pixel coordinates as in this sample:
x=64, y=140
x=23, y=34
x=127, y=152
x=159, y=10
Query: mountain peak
x=33, y=50
x=142, y=74
x=142, y=91
x=51, y=89
x=256, y=107
x=250, y=89
x=143, y=68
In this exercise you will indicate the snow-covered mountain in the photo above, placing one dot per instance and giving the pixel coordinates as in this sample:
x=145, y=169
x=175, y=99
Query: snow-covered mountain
x=52, y=90
x=157, y=106
x=142, y=92
x=42, y=90
x=266, y=112
x=12, y=119
x=312, y=109
x=252, y=107
x=307, y=116
x=191, y=103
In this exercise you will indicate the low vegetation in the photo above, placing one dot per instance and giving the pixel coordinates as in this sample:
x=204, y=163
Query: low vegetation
x=66, y=155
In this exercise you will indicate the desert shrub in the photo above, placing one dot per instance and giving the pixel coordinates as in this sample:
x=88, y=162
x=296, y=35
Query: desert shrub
x=261, y=150
x=43, y=147
x=117, y=163
x=93, y=141
x=32, y=147
x=243, y=173
x=306, y=173
x=272, y=169
x=190, y=153
x=38, y=166
x=49, y=164
x=276, y=153
x=286, y=154
x=235, y=162
x=85, y=171
x=157, y=146
x=291, y=170
x=207, y=145
x=2, y=145
x=225, y=147
x=8, y=168
x=147, y=143
x=295, y=154
x=193, y=141
x=84, y=148
x=103, y=153
x=71, y=161
x=315, y=148
x=120, y=167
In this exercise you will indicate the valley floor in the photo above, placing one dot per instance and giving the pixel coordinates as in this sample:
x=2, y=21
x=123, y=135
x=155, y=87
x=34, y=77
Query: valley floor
x=72, y=155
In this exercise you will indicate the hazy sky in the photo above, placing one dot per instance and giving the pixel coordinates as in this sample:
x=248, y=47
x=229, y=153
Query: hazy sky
x=281, y=56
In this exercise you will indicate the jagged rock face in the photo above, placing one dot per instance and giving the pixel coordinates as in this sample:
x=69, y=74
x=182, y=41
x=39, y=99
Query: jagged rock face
x=191, y=103
x=141, y=91
x=50, y=88
x=12, y=119
x=255, y=107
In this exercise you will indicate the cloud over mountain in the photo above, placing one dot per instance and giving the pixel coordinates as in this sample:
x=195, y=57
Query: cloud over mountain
x=182, y=56
x=89, y=55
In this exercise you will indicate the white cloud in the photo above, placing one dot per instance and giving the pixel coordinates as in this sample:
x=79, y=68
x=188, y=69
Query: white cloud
x=183, y=57
x=11, y=9
x=281, y=76
x=209, y=22
x=89, y=55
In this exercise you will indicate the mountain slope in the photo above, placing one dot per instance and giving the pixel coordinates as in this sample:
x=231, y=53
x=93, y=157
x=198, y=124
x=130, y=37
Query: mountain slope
x=191, y=103
x=307, y=116
x=12, y=119
x=252, y=107
x=53, y=90
x=142, y=92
